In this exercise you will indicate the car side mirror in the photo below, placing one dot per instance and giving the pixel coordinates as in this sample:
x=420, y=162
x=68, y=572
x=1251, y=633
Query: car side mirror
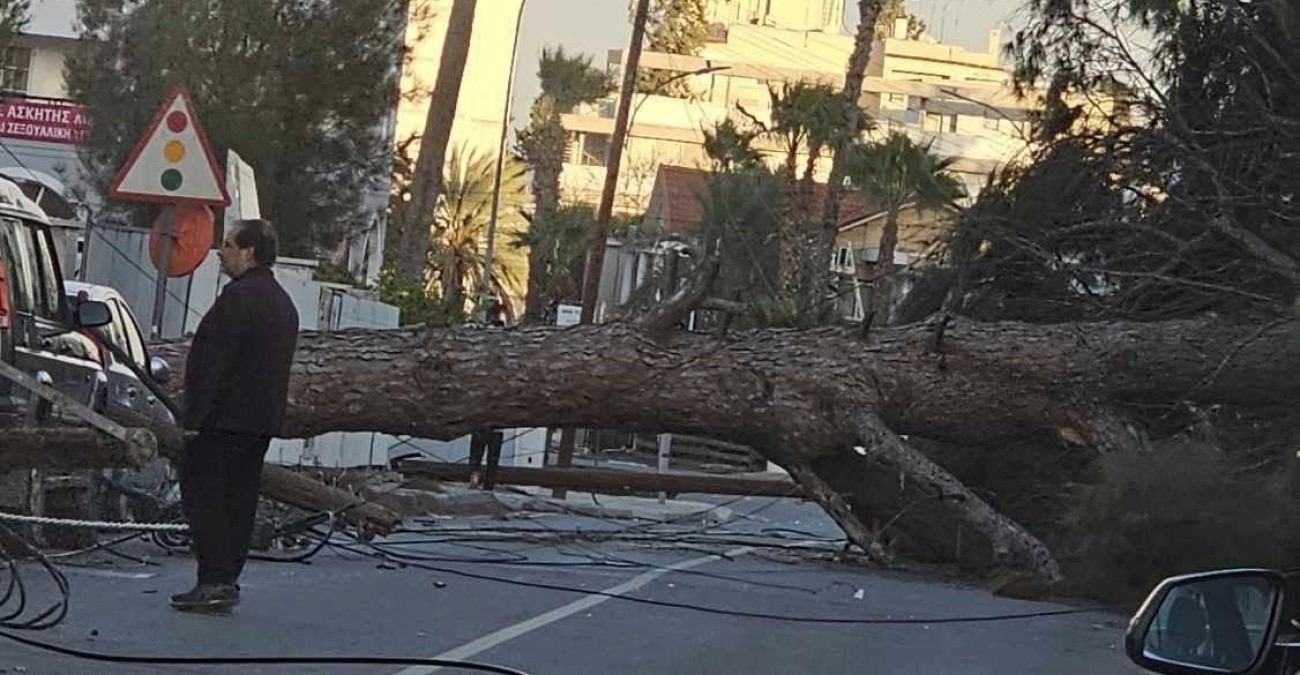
x=1214, y=622
x=91, y=314
x=160, y=370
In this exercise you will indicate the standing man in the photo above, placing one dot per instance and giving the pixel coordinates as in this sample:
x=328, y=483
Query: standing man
x=236, y=389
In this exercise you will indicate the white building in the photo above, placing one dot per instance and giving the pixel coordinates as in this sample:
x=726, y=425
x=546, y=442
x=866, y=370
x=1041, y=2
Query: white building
x=957, y=98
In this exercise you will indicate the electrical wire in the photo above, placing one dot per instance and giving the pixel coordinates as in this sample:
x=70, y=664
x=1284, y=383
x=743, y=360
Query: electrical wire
x=16, y=590
x=261, y=660
x=786, y=618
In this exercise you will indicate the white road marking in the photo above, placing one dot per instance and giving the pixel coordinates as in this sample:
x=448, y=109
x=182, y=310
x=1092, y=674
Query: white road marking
x=108, y=574
x=470, y=649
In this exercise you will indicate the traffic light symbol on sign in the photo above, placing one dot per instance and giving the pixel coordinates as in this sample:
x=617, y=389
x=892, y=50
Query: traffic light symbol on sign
x=172, y=162
x=174, y=151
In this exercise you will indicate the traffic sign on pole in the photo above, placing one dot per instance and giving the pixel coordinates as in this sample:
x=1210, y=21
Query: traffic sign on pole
x=172, y=163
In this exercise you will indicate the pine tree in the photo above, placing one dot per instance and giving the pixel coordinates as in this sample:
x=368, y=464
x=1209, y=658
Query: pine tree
x=673, y=27
x=567, y=82
x=13, y=18
x=300, y=90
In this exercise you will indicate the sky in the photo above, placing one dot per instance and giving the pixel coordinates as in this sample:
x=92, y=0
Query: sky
x=53, y=17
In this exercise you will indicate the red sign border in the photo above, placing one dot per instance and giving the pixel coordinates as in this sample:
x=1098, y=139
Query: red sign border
x=114, y=190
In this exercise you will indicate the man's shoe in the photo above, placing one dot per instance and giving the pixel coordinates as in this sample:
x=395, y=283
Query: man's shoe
x=207, y=598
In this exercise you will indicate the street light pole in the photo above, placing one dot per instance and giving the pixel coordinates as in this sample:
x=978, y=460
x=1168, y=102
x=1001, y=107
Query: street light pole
x=486, y=280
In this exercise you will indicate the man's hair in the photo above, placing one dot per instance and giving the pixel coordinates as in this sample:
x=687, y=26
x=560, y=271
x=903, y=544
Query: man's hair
x=260, y=236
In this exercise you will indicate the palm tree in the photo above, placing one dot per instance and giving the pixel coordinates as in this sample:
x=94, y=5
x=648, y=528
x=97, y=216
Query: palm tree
x=869, y=14
x=406, y=245
x=567, y=82
x=895, y=173
x=805, y=118
x=460, y=230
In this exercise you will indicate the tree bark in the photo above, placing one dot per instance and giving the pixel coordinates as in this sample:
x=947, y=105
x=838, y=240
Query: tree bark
x=426, y=181
x=800, y=398
x=882, y=279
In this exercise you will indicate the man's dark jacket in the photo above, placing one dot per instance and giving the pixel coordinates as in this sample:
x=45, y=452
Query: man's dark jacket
x=237, y=371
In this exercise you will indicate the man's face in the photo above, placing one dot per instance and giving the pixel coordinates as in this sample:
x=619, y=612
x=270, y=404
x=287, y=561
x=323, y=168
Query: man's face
x=235, y=261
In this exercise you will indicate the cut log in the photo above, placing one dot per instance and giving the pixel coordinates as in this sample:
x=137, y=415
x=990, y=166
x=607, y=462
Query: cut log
x=66, y=449
x=604, y=480
x=292, y=488
x=798, y=397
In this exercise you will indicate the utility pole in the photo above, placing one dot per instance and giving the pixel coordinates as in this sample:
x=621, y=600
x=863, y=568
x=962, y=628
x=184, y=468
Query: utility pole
x=485, y=282
x=600, y=230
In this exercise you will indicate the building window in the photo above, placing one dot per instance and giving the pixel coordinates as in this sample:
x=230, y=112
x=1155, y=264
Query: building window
x=842, y=260
x=16, y=69
x=595, y=149
x=829, y=20
x=939, y=122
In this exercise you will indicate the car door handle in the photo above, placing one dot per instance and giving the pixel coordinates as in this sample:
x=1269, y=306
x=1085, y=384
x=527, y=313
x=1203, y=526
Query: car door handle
x=132, y=392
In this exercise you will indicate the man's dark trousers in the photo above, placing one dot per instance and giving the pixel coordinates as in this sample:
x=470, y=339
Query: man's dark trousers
x=221, y=475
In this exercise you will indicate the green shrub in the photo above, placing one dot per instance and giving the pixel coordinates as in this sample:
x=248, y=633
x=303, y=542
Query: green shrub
x=1174, y=510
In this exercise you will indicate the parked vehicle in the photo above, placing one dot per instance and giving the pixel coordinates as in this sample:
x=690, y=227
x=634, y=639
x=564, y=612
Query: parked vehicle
x=149, y=492
x=124, y=388
x=1230, y=621
x=39, y=332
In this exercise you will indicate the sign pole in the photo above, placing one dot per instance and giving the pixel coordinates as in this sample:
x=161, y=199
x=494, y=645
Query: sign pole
x=166, y=240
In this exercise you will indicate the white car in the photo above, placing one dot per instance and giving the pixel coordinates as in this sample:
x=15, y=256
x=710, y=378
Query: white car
x=123, y=388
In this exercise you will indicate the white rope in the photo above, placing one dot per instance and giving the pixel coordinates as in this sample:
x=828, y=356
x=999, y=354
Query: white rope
x=95, y=524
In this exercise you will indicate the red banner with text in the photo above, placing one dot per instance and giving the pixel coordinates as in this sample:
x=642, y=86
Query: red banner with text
x=46, y=121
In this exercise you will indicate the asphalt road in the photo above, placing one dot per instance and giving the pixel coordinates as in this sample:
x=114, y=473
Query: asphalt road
x=345, y=603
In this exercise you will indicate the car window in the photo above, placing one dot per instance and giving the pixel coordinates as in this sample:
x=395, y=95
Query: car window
x=80, y=346
x=49, y=299
x=16, y=247
x=112, y=332
x=131, y=331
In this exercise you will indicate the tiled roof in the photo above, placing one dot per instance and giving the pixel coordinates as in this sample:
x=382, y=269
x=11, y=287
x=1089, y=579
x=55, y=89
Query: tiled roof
x=677, y=201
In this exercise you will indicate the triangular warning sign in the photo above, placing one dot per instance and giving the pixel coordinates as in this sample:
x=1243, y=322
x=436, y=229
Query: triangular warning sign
x=172, y=163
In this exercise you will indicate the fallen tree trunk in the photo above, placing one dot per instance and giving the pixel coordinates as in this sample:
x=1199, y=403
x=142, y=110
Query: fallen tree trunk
x=66, y=449
x=799, y=397
x=604, y=480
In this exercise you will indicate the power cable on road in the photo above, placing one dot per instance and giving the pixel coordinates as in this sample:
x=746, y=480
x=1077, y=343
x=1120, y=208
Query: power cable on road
x=261, y=660
x=411, y=561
